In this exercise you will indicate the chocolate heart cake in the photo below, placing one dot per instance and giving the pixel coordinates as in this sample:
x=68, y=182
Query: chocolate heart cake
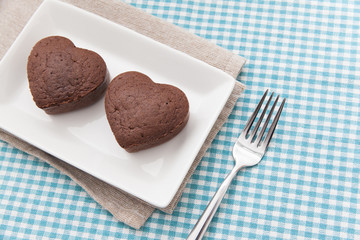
x=142, y=113
x=63, y=77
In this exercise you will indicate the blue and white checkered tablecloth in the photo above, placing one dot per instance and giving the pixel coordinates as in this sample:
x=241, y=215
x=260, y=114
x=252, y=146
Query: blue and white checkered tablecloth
x=307, y=185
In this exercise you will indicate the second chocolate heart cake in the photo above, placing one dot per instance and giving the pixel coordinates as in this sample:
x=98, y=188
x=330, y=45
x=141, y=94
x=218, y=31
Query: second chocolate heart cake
x=63, y=77
x=142, y=113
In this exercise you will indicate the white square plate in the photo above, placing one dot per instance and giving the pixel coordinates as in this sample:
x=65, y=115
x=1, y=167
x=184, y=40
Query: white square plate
x=83, y=138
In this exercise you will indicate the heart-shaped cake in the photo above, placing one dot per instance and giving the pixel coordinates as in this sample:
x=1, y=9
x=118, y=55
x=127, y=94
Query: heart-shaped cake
x=63, y=77
x=142, y=113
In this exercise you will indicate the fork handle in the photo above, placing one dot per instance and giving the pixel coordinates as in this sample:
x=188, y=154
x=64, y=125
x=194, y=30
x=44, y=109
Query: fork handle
x=205, y=219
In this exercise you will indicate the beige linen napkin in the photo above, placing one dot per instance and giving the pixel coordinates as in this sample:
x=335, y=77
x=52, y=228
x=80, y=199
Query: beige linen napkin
x=128, y=209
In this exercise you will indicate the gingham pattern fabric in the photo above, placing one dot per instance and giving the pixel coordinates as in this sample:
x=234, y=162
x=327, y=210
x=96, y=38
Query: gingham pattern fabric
x=307, y=185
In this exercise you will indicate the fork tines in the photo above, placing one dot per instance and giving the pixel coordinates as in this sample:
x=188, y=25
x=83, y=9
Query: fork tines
x=251, y=135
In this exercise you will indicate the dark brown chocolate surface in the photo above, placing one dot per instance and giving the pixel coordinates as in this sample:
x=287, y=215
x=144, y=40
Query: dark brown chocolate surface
x=63, y=77
x=142, y=113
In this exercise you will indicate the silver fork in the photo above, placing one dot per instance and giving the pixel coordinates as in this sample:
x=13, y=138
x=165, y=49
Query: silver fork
x=248, y=151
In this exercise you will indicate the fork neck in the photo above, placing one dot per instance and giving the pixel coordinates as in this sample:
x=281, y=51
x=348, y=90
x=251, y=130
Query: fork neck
x=237, y=167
